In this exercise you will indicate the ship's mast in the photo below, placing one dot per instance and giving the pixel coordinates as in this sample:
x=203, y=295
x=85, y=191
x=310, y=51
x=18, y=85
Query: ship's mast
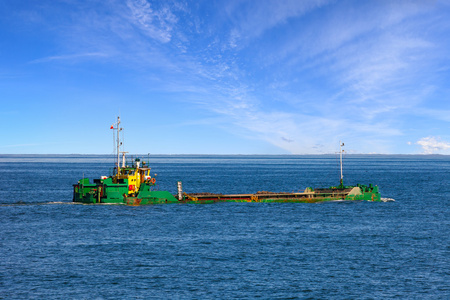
x=118, y=144
x=340, y=152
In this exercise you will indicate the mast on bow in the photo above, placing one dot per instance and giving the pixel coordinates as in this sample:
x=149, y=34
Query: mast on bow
x=340, y=153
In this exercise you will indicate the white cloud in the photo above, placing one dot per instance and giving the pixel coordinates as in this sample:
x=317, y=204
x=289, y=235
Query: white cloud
x=433, y=144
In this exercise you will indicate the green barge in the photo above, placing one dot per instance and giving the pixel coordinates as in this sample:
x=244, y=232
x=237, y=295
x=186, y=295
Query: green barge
x=133, y=184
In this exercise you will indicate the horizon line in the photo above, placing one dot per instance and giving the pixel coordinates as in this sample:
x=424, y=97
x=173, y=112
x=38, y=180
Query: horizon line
x=222, y=154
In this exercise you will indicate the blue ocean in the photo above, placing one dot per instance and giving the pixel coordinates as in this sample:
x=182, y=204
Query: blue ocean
x=54, y=249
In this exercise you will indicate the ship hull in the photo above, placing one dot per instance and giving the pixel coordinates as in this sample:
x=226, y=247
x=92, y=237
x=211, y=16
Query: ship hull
x=110, y=193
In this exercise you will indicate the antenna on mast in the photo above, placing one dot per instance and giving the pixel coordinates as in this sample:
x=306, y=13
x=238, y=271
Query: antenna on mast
x=342, y=176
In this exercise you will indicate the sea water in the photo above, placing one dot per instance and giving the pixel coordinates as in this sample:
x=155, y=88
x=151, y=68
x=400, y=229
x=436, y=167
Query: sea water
x=51, y=248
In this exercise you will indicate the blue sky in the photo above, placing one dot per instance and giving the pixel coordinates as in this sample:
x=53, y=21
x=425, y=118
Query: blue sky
x=225, y=77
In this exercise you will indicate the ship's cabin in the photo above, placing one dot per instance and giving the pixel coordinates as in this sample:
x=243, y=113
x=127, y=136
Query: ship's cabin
x=134, y=174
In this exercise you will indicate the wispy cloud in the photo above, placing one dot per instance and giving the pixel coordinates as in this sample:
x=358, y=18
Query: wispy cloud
x=252, y=19
x=72, y=57
x=134, y=33
x=157, y=24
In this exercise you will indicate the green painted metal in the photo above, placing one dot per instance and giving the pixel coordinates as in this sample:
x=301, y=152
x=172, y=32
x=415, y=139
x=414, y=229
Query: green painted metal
x=106, y=191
